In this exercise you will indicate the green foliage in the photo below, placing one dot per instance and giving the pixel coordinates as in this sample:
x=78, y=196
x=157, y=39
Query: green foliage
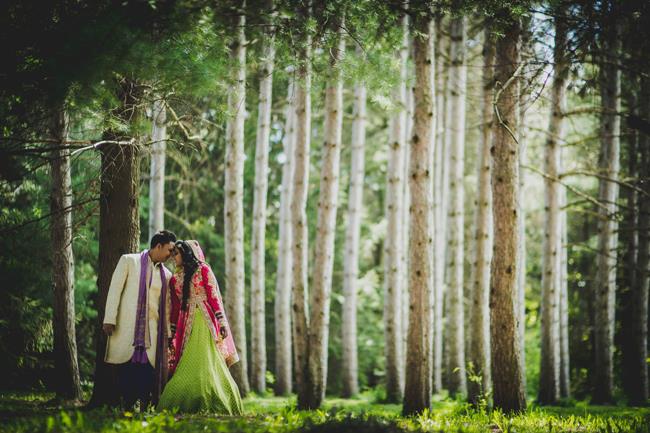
x=278, y=415
x=25, y=313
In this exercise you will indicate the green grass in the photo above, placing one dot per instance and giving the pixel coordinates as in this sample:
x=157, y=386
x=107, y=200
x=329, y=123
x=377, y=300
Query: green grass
x=27, y=413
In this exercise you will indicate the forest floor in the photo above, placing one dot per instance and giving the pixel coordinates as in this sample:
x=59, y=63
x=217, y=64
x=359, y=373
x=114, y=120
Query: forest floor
x=30, y=412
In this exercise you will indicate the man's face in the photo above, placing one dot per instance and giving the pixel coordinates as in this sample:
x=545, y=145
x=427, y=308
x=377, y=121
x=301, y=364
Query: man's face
x=162, y=252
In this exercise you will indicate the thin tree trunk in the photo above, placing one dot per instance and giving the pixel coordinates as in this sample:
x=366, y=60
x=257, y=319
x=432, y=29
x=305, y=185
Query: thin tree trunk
x=608, y=164
x=638, y=395
x=565, y=372
x=549, y=385
x=627, y=265
x=157, y=169
x=417, y=391
x=526, y=55
x=234, y=191
x=508, y=381
x=444, y=217
x=479, y=348
x=394, y=272
x=283, y=344
x=440, y=207
x=431, y=206
x=404, y=302
x=299, y=235
x=351, y=262
x=455, y=336
x=67, y=383
x=321, y=291
x=258, y=297
x=119, y=226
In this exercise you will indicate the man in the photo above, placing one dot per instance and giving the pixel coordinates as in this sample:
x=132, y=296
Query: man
x=133, y=317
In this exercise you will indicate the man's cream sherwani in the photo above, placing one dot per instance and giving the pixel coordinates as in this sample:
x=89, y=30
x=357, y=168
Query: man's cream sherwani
x=122, y=303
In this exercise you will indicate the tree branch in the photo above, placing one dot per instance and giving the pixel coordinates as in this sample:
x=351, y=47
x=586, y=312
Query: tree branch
x=497, y=95
x=579, y=193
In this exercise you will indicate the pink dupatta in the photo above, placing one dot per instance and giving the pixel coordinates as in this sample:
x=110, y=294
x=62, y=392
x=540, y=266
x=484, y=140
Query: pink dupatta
x=206, y=296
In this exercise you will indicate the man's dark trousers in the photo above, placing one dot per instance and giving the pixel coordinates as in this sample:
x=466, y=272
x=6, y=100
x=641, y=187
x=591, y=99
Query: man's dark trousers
x=135, y=383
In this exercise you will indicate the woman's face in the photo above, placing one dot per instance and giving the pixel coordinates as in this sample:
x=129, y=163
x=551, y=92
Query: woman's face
x=178, y=259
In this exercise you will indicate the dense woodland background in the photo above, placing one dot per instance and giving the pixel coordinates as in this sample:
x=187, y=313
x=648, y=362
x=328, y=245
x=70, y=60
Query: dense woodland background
x=303, y=145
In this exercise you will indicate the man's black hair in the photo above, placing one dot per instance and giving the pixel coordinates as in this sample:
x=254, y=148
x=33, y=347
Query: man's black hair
x=162, y=237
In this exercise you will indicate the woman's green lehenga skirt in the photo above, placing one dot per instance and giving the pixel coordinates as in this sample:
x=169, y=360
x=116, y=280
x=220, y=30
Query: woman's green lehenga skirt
x=202, y=382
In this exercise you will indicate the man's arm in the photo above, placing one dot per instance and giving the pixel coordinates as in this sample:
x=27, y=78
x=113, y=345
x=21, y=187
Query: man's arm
x=114, y=294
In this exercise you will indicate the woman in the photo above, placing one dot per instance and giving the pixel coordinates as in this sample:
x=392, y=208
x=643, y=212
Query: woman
x=202, y=344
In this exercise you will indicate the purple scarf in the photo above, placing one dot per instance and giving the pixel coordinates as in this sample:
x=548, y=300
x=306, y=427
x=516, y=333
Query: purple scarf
x=140, y=334
x=162, y=355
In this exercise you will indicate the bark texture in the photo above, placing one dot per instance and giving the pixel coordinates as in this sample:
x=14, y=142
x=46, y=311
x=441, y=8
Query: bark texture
x=406, y=205
x=417, y=391
x=393, y=245
x=565, y=372
x=526, y=57
x=508, y=369
x=439, y=203
x=480, y=382
x=321, y=289
x=636, y=261
x=608, y=164
x=157, y=167
x=234, y=192
x=549, y=386
x=455, y=330
x=283, y=361
x=639, y=394
x=67, y=382
x=351, y=261
x=258, y=297
x=299, y=235
x=119, y=224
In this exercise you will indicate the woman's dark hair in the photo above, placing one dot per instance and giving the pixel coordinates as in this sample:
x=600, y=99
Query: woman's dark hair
x=190, y=265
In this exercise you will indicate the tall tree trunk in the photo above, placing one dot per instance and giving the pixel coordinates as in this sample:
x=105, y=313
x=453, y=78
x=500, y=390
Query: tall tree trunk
x=508, y=380
x=157, y=169
x=549, y=378
x=393, y=245
x=234, y=192
x=628, y=242
x=67, y=383
x=431, y=206
x=258, y=298
x=440, y=208
x=417, y=391
x=638, y=392
x=455, y=335
x=444, y=212
x=404, y=297
x=608, y=163
x=119, y=225
x=299, y=234
x=320, y=295
x=565, y=372
x=479, y=347
x=351, y=262
x=283, y=344
x=526, y=56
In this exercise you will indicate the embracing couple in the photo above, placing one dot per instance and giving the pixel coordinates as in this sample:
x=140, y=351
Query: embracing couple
x=167, y=333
